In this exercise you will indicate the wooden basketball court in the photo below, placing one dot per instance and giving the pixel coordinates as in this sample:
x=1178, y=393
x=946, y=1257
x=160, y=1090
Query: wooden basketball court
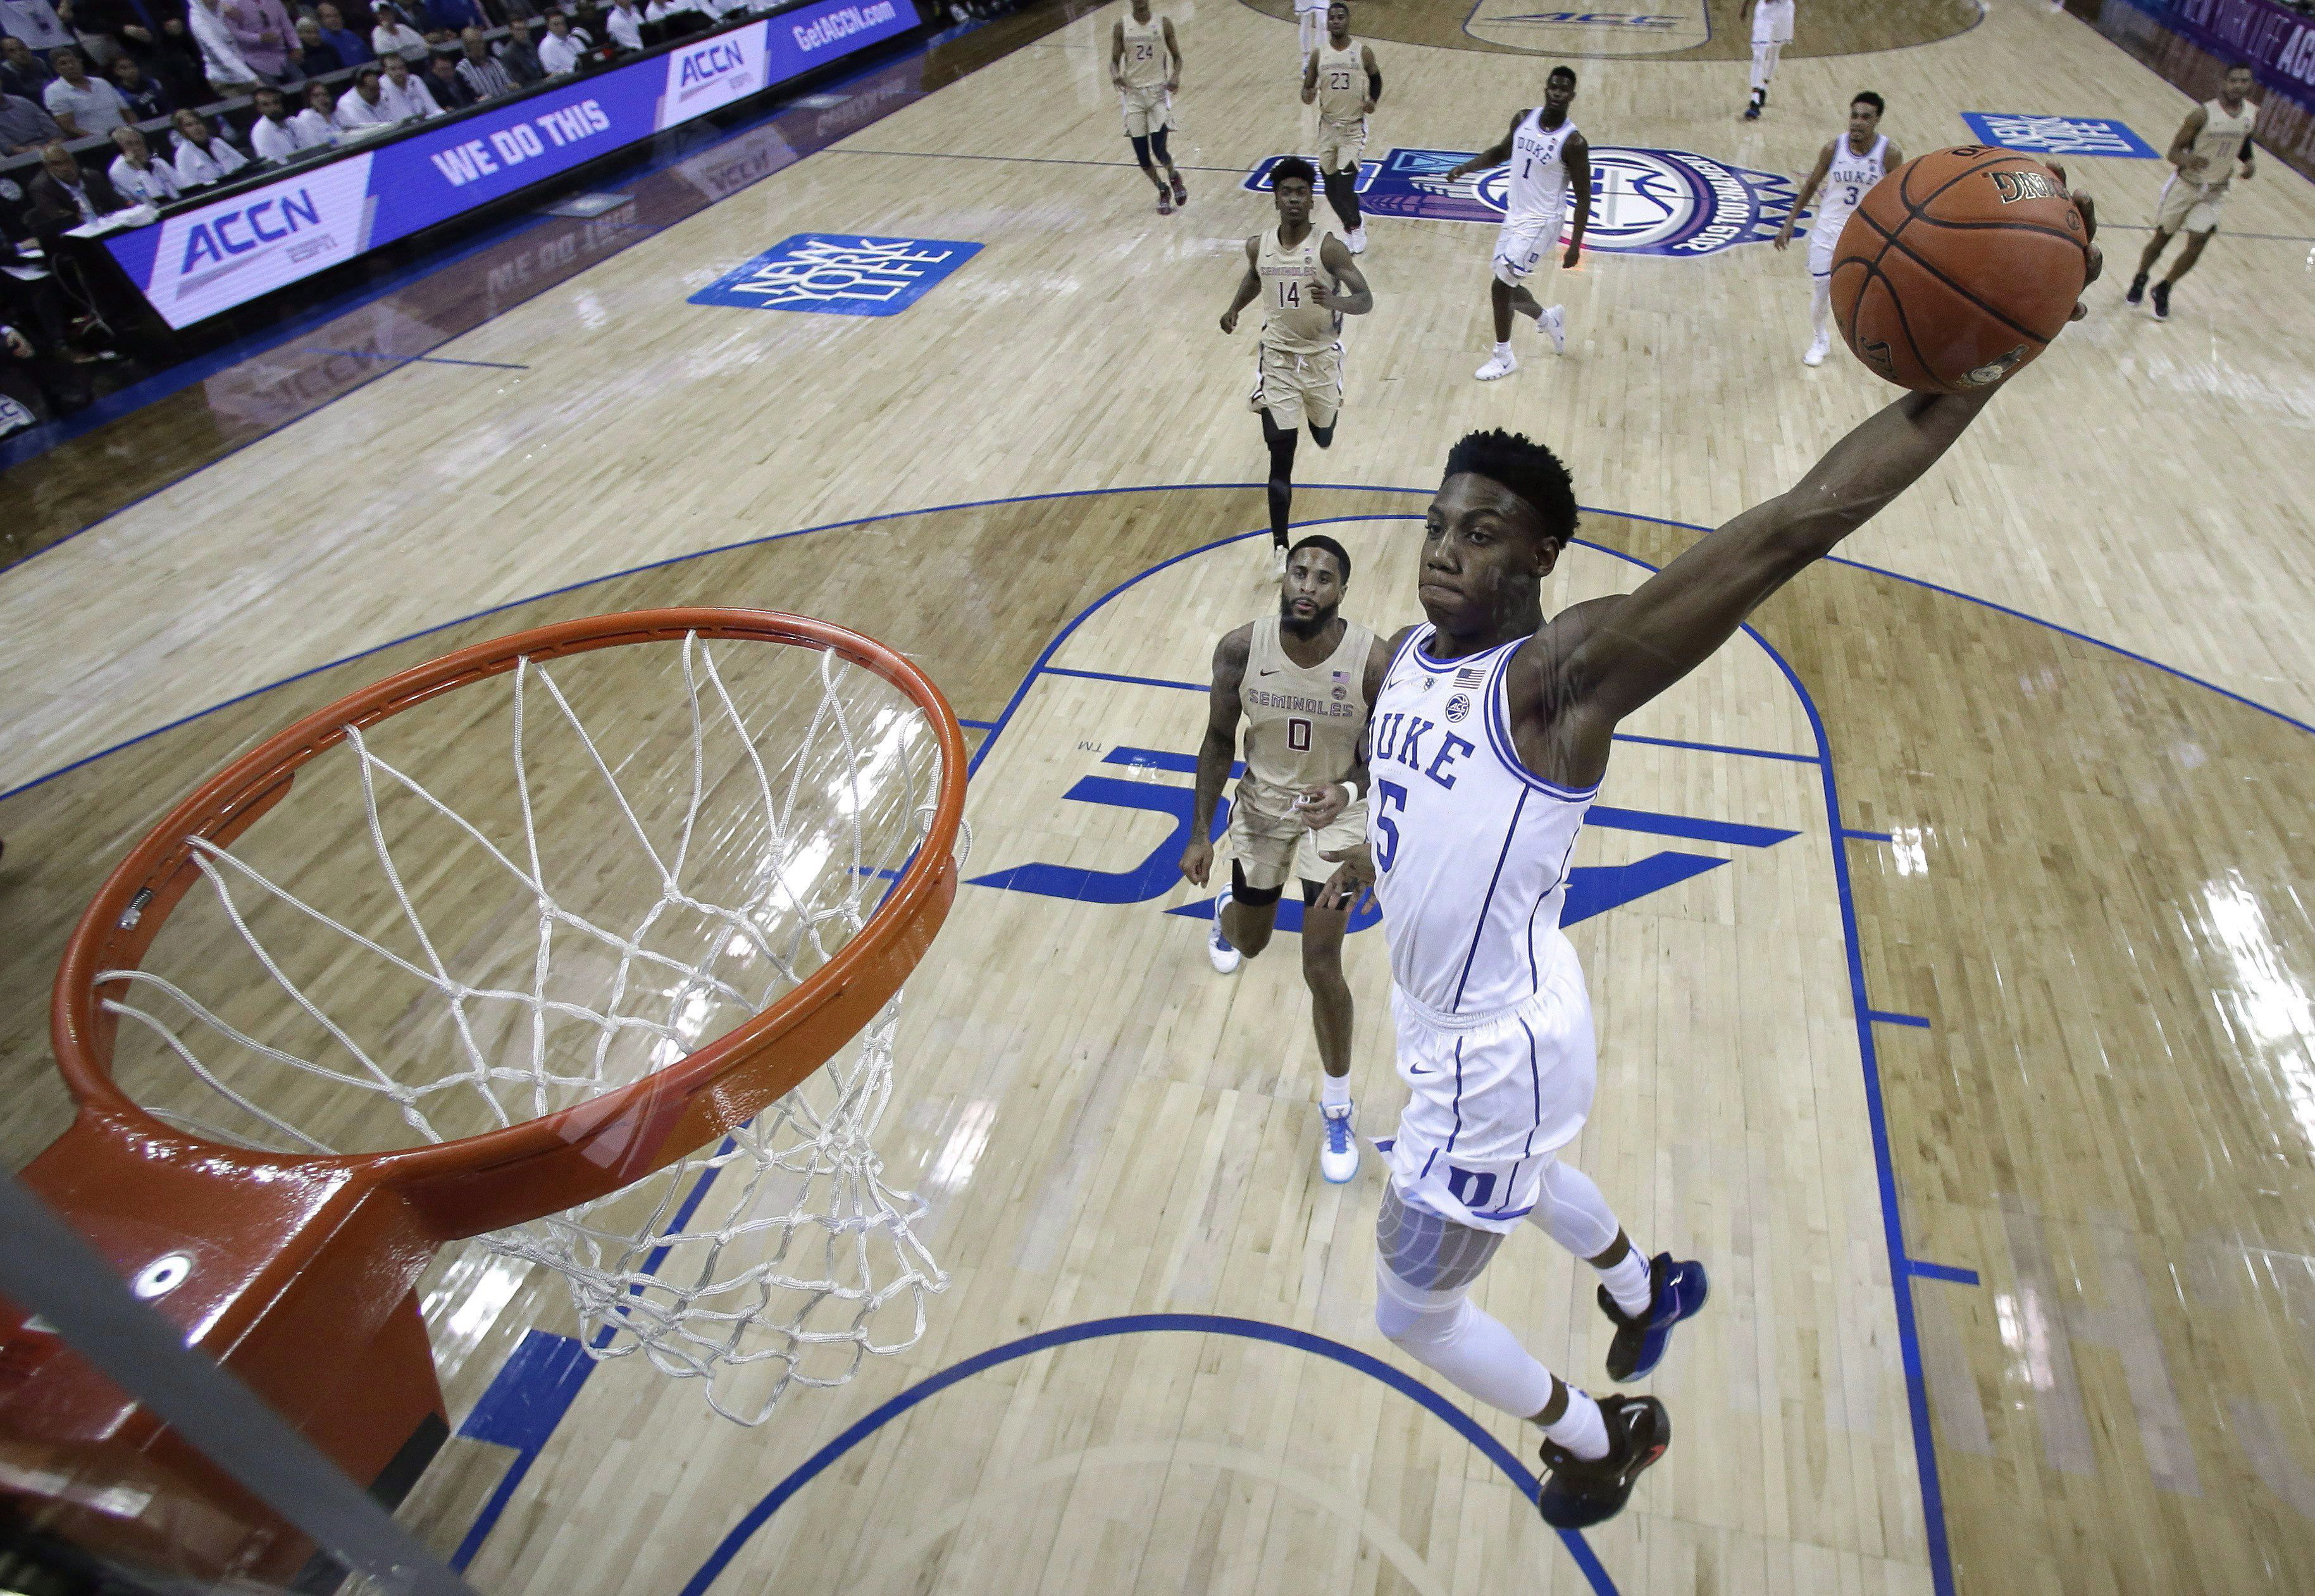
x=1949, y=933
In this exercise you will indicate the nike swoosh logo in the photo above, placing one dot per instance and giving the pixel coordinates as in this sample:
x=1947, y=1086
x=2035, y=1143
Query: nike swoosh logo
x=1418, y=1070
x=1266, y=672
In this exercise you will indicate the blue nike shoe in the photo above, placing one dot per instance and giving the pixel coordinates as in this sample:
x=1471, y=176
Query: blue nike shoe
x=1679, y=1292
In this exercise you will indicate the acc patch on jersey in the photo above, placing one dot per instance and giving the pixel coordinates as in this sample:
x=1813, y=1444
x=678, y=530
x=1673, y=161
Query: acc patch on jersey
x=1643, y=201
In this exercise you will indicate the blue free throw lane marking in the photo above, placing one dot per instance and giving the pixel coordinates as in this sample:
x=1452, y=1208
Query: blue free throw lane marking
x=1941, y=1272
x=1853, y=835
x=1882, y=1016
x=1461, y=1422
x=1136, y=681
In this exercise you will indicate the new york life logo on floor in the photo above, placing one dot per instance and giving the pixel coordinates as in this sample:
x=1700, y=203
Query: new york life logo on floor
x=840, y=274
x=1643, y=201
x=2058, y=135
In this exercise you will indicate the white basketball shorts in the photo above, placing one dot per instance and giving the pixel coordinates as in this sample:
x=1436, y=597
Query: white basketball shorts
x=1522, y=242
x=1772, y=23
x=1490, y=1103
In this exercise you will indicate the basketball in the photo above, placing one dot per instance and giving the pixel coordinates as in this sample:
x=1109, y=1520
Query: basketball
x=1959, y=268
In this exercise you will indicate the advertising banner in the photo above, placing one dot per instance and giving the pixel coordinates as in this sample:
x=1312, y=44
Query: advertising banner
x=197, y=263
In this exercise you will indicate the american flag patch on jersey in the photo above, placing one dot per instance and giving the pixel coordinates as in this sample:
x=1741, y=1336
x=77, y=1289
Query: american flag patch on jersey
x=1470, y=675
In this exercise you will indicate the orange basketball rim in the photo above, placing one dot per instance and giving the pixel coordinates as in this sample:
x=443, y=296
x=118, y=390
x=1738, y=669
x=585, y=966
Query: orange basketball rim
x=297, y=1272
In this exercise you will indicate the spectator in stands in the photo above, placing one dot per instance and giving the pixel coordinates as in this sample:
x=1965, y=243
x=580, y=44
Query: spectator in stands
x=318, y=58
x=560, y=51
x=395, y=37
x=451, y=18
x=518, y=55
x=221, y=59
x=262, y=29
x=484, y=78
x=404, y=93
x=63, y=197
x=318, y=122
x=154, y=35
x=141, y=92
x=364, y=105
x=136, y=175
x=660, y=11
x=37, y=24
x=625, y=24
x=22, y=403
x=202, y=157
x=273, y=136
x=21, y=73
x=85, y=107
x=24, y=126
x=343, y=41
x=442, y=80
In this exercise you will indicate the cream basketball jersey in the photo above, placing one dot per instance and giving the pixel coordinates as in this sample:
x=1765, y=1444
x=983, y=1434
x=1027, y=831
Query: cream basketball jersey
x=1847, y=181
x=1343, y=83
x=2220, y=143
x=1538, y=175
x=1146, y=62
x=1472, y=848
x=1302, y=722
x=1292, y=322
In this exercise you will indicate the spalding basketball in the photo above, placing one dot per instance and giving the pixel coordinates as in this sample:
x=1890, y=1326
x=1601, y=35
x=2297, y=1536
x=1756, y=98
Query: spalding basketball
x=1959, y=268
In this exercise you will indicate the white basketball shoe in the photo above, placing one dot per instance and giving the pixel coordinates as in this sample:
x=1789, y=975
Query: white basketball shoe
x=1357, y=241
x=1225, y=958
x=1497, y=365
x=1338, y=1147
x=1554, y=323
x=1817, y=352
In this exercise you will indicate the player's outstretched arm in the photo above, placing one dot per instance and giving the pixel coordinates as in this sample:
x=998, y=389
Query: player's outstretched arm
x=1249, y=287
x=1808, y=189
x=1577, y=156
x=1350, y=295
x=1217, y=751
x=1495, y=154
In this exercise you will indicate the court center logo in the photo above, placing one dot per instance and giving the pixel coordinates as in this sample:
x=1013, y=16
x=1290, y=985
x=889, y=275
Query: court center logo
x=2059, y=135
x=840, y=274
x=1643, y=201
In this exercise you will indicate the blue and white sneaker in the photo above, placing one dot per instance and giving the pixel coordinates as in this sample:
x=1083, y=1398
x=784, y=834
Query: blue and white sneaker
x=1338, y=1148
x=1678, y=1290
x=1225, y=959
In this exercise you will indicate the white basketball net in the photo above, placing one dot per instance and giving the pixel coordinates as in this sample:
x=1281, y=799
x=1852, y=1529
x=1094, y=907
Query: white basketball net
x=777, y=1258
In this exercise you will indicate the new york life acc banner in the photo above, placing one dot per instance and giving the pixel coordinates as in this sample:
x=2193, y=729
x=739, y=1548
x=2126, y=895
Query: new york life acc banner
x=209, y=258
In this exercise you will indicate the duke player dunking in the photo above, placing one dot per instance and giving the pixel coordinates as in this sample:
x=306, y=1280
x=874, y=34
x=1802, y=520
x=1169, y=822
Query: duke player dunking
x=1846, y=168
x=1489, y=738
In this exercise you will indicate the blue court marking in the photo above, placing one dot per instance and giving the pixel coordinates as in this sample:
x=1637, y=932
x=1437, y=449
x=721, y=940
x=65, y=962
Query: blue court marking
x=976, y=725
x=1853, y=835
x=1461, y=1422
x=1923, y=1270
x=1714, y=747
x=411, y=360
x=1695, y=831
x=1882, y=1016
x=1138, y=681
x=525, y=1403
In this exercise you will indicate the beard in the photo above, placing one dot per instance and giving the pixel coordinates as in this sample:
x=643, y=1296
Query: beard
x=1310, y=628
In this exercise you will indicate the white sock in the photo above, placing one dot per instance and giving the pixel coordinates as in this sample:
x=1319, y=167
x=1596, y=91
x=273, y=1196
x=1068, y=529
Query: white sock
x=1502, y=350
x=1627, y=1282
x=1821, y=307
x=1334, y=1091
x=1581, y=1429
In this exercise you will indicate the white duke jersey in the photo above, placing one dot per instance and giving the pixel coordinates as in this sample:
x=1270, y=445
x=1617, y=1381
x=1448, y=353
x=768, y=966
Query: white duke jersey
x=1538, y=175
x=1472, y=848
x=1847, y=181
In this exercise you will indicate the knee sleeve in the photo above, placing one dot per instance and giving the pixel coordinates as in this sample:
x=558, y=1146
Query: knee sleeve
x=1343, y=194
x=1443, y=1332
x=1140, y=148
x=1158, y=143
x=1253, y=897
x=1324, y=436
x=1282, y=446
x=1571, y=1210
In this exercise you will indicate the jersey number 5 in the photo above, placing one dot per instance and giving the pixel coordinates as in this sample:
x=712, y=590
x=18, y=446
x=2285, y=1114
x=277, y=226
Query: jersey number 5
x=1392, y=797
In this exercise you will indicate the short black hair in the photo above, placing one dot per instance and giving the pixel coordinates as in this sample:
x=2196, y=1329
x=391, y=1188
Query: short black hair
x=1867, y=97
x=1566, y=72
x=1529, y=469
x=2240, y=67
x=1293, y=167
x=1319, y=540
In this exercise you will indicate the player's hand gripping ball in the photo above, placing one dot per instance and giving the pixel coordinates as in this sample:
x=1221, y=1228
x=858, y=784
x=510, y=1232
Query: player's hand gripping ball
x=1961, y=266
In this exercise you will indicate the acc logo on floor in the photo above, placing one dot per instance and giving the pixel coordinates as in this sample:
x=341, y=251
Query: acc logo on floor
x=2058, y=135
x=840, y=274
x=1643, y=201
